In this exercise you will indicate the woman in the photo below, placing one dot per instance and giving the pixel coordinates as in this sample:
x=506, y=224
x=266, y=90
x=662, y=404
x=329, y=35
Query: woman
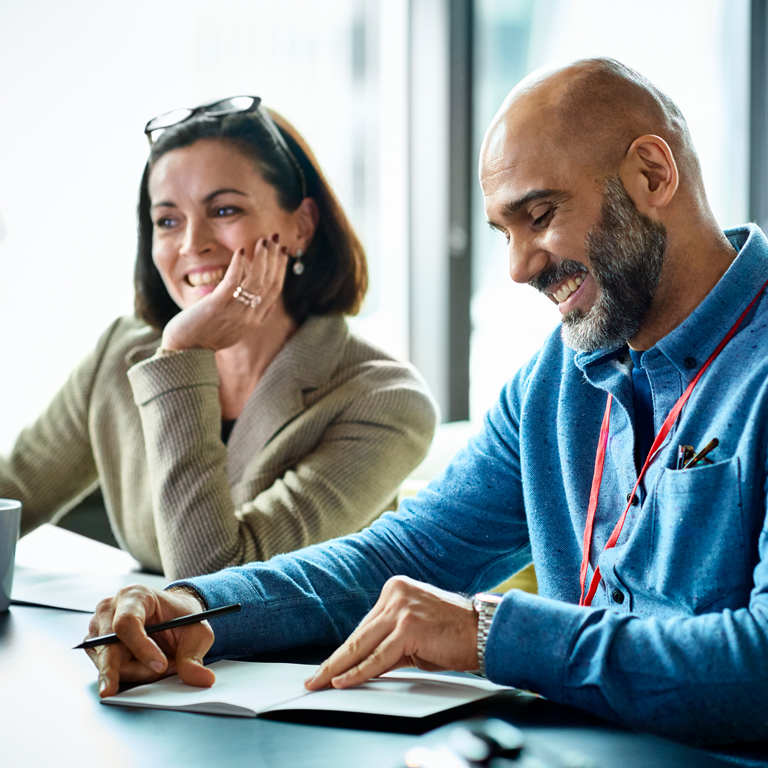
x=235, y=417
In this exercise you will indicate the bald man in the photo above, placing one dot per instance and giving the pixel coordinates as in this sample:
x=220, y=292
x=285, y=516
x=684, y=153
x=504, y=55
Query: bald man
x=650, y=555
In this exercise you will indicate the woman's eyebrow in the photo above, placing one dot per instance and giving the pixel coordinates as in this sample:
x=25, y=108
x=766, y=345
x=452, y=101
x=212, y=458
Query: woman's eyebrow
x=206, y=199
x=226, y=190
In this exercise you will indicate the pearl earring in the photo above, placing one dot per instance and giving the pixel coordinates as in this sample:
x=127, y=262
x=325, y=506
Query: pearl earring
x=298, y=267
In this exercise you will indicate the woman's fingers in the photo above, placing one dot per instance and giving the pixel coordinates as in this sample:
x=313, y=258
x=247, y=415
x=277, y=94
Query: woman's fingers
x=233, y=277
x=275, y=279
x=256, y=266
x=264, y=274
x=275, y=266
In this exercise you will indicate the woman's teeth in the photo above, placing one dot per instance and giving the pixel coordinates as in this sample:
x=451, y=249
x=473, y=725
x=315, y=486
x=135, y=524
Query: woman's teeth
x=211, y=277
x=568, y=288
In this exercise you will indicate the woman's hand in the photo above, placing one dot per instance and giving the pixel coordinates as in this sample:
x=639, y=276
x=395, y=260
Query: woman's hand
x=140, y=658
x=219, y=320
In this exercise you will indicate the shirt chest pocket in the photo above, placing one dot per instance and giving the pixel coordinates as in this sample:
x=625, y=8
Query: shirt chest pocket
x=697, y=556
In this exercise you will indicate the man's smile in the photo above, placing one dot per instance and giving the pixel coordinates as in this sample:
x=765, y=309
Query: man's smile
x=569, y=287
x=563, y=283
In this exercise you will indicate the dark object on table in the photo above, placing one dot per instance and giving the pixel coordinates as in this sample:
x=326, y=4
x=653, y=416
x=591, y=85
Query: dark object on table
x=467, y=746
x=489, y=743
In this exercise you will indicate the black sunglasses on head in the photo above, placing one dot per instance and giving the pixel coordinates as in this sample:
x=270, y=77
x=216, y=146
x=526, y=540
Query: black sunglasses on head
x=231, y=106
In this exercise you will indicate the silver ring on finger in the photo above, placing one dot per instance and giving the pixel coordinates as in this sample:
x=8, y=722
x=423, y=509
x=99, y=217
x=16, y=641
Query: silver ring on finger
x=246, y=298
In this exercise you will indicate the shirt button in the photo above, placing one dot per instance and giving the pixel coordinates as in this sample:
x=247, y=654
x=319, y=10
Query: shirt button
x=632, y=498
x=618, y=596
x=690, y=363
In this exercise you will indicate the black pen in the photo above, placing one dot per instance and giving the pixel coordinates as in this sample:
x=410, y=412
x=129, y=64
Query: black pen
x=182, y=621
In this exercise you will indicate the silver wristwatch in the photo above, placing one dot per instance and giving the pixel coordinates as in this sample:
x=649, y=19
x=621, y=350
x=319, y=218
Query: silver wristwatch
x=485, y=604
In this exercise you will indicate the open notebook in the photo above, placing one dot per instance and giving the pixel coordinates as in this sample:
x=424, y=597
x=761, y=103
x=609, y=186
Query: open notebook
x=250, y=689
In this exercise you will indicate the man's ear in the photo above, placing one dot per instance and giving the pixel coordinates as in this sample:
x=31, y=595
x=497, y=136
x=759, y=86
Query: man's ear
x=649, y=173
x=307, y=216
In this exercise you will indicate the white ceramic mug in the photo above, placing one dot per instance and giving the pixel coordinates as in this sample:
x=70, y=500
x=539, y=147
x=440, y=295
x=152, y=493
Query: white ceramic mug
x=10, y=519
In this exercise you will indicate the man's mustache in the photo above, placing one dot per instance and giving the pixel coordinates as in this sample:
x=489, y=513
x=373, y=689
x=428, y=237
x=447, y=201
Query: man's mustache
x=555, y=273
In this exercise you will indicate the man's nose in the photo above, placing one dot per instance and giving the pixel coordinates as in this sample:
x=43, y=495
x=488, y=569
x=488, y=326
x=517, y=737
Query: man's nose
x=526, y=259
x=198, y=238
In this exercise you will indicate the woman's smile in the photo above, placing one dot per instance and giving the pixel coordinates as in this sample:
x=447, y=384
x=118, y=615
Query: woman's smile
x=205, y=279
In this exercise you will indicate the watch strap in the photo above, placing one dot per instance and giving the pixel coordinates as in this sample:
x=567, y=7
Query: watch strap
x=485, y=604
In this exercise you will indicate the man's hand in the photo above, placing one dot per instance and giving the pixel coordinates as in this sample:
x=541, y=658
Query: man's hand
x=143, y=658
x=411, y=625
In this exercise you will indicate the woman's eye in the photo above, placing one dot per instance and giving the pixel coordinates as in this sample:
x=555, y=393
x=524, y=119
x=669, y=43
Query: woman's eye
x=165, y=223
x=543, y=220
x=226, y=210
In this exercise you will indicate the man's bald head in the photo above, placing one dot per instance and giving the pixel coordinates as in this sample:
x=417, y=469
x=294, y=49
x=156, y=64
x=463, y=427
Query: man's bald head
x=590, y=112
x=590, y=174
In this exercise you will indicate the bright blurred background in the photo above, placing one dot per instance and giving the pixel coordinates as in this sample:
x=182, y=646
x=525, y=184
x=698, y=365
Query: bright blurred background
x=392, y=95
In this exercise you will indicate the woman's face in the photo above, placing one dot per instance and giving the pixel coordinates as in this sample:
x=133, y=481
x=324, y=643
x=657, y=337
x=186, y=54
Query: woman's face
x=208, y=200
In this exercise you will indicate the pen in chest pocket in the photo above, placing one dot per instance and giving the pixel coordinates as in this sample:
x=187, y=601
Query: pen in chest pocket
x=687, y=456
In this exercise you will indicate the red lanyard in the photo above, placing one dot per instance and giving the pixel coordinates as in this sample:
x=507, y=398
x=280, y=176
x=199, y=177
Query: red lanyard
x=657, y=443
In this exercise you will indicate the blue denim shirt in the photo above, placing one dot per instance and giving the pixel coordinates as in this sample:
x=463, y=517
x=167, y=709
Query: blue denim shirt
x=676, y=640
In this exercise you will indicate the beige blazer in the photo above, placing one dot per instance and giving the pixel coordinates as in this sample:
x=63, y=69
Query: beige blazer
x=324, y=441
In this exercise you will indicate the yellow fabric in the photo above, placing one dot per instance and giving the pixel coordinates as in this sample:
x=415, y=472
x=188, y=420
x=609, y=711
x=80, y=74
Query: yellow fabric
x=525, y=580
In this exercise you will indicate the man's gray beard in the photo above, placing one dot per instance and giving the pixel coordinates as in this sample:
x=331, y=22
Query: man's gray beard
x=626, y=252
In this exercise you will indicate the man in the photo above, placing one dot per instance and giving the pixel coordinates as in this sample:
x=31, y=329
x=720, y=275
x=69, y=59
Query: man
x=590, y=174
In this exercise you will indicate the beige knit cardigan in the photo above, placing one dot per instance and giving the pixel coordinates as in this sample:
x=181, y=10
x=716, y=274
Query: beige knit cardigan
x=324, y=441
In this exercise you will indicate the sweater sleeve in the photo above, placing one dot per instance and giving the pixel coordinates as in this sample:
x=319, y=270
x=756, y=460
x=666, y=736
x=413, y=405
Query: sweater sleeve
x=52, y=464
x=336, y=487
x=699, y=679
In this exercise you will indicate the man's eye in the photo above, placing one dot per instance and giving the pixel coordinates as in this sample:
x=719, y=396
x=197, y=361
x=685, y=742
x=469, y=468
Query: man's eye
x=499, y=230
x=544, y=219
